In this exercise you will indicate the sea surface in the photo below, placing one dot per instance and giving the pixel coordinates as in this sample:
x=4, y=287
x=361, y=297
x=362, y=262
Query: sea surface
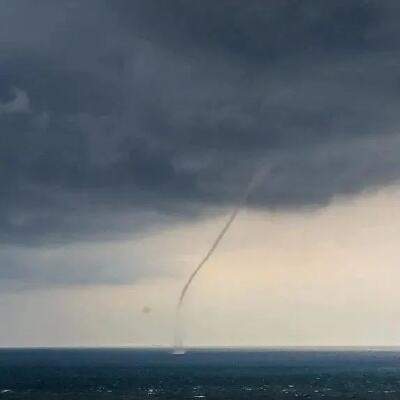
x=127, y=373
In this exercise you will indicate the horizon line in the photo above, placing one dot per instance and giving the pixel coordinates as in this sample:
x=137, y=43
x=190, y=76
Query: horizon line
x=206, y=347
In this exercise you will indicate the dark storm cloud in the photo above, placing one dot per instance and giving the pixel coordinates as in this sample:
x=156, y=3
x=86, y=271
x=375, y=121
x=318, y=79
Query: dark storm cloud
x=109, y=109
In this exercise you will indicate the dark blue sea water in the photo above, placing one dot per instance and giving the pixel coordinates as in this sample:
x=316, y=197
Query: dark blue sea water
x=199, y=374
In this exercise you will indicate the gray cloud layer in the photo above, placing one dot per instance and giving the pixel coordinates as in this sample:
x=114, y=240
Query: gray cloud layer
x=115, y=108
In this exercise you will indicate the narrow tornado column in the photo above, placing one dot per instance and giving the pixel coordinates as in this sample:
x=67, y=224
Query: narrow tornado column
x=178, y=334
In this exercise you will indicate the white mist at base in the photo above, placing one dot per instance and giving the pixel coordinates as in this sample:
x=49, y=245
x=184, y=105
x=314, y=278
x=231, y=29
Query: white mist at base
x=178, y=352
x=178, y=348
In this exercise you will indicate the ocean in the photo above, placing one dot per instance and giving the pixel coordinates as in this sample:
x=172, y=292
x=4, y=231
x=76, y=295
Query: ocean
x=127, y=373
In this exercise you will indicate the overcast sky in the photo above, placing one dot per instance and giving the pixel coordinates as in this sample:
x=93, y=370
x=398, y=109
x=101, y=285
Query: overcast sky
x=128, y=131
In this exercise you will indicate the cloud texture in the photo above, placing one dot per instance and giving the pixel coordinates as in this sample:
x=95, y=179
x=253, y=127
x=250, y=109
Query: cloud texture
x=116, y=115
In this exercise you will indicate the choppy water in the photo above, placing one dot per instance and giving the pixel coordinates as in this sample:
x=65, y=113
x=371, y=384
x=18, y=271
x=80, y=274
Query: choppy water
x=201, y=374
